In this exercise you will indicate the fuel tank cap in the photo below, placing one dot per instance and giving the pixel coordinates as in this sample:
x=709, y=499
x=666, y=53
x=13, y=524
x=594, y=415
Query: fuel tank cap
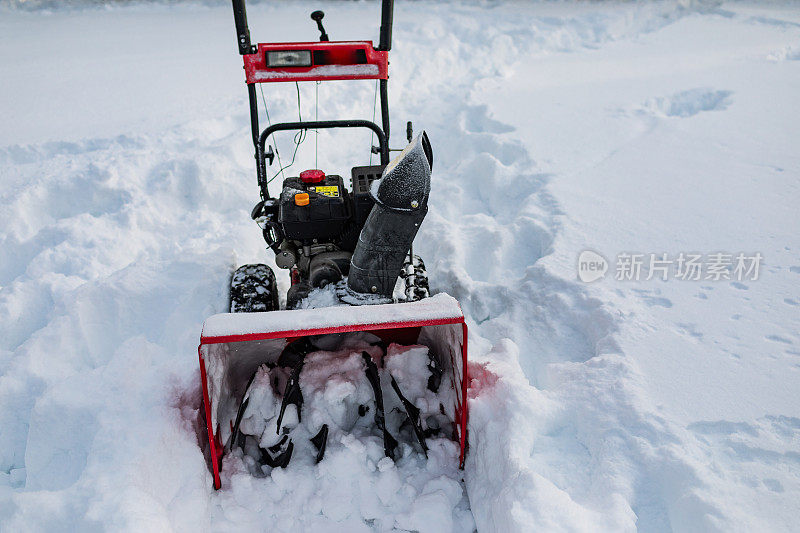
x=312, y=176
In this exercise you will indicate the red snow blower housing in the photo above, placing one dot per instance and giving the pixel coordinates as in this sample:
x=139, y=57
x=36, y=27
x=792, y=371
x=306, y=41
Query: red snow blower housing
x=358, y=308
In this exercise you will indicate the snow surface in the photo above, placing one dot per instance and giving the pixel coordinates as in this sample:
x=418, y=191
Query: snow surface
x=126, y=179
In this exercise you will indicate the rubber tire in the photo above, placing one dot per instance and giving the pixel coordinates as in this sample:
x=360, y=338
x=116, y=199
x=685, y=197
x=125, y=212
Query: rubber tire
x=420, y=285
x=253, y=289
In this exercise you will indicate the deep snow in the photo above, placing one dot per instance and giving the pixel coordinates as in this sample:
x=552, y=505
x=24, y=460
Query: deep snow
x=126, y=182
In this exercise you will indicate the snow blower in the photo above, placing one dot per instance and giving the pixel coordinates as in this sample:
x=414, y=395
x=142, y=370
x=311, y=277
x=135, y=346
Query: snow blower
x=361, y=346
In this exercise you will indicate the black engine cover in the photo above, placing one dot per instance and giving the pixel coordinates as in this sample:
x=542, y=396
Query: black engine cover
x=325, y=216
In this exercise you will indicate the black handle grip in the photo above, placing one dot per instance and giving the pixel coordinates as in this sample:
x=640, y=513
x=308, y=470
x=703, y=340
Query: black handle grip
x=387, y=9
x=242, y=31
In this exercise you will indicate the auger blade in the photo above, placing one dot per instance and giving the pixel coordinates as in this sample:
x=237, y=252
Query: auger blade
x=237, y=438
x=413, y=416
x=278, y=455
x=320, y=441
x=435, y=379
x=389, y=442
x=295, y=352
x=291, y=394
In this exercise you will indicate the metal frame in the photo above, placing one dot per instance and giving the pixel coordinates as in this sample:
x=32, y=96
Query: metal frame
x=247, y=49
x=261, y=142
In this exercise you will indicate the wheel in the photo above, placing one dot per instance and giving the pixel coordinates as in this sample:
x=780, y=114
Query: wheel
x=253, y=289
x=416, y=279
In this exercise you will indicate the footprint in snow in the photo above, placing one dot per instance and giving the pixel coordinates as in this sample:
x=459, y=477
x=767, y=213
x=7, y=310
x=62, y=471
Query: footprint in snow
x=778, y=338
x=767, y=443
x=477, y=120
x=689, y=103
x=722, y=427
x=773, y=484
x=653, y=300
x=691, y=329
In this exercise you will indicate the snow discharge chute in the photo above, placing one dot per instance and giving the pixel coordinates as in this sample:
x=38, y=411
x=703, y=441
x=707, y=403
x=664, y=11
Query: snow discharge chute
x=401, y=202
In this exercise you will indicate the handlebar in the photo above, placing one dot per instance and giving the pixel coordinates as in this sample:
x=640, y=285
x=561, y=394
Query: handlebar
x=383, y=144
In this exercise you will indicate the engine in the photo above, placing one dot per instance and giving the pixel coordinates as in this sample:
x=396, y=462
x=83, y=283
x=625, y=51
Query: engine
x=316, y=226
